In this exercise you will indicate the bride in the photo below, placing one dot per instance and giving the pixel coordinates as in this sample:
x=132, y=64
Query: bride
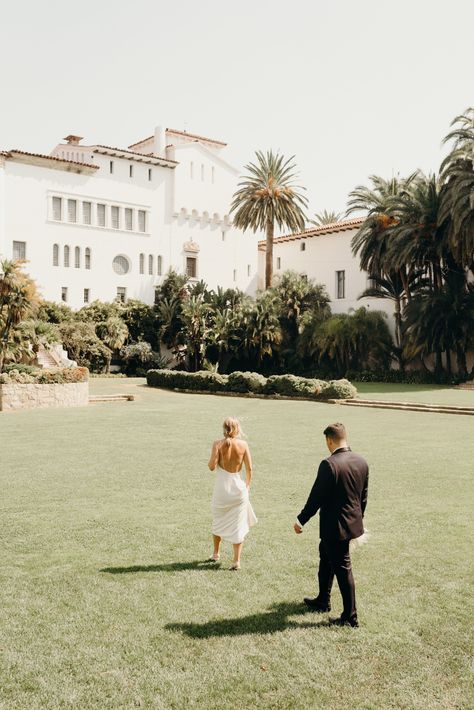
x=232, y=512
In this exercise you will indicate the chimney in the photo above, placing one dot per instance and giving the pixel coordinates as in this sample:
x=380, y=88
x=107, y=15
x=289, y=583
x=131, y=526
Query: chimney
x=73, y=140
x=159, y=142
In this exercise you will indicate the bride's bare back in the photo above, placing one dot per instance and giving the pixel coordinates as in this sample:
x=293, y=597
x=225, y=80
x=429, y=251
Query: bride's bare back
x=231, y=453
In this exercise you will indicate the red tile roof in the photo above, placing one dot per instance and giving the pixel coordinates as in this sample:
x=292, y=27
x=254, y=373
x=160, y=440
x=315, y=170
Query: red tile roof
x=332, y=228
x=181, y=133
x=11, y=154
x=133, y=153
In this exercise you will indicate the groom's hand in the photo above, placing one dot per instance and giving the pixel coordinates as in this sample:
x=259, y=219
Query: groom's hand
x=297, y=528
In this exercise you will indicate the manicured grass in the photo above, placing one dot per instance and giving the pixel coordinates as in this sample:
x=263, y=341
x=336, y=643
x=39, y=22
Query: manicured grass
x=106, y=603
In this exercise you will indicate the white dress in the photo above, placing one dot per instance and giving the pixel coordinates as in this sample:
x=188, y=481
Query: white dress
x=232, y=511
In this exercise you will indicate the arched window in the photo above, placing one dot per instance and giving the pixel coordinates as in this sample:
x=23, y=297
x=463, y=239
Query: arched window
x=66, y=255
x=142, y=263
x=150, y=264
x=87, y=258
x=55, y=254
x=77, y=257
x=159, y=264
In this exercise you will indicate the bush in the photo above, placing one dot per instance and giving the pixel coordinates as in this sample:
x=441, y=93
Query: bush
x=246, y=382
x=59, y=376
x=20, y=367
x=337, y=389
x=138, y=358
x=174, y=379
x=293, y=386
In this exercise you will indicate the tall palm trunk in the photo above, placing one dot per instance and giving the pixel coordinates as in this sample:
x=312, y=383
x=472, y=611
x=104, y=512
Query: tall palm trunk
x=461, y=361
x=269, y=255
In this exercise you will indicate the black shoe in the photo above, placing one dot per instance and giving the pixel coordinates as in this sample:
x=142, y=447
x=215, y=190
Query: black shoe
x=315, y=605
x=342, y=621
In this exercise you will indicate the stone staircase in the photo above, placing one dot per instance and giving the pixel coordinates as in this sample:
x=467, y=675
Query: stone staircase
x=47, y=359
x=404, y=406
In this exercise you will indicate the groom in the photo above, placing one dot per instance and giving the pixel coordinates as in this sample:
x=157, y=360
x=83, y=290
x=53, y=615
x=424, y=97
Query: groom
x=340, y=494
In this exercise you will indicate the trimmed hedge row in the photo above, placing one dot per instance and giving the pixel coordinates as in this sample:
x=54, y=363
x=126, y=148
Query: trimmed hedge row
x=60, y=376
x=245, y=382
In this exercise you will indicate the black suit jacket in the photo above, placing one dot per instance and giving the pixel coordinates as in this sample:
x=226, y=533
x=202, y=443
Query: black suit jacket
x=340, y=494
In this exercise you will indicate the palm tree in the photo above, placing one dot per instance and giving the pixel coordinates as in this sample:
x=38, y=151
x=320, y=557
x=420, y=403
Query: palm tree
x=457, y=206
x=195, y=319
x=18, y=300
x=113, y=332
x=263, y=331
x=325, y=217
x=267, y=196
x=372, y=239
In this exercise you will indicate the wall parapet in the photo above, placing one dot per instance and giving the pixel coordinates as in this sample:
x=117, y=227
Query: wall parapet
x=15, y=396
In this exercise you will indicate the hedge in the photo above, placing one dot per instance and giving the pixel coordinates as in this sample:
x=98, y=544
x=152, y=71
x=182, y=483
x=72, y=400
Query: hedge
x=59, y=376
x=252, y=382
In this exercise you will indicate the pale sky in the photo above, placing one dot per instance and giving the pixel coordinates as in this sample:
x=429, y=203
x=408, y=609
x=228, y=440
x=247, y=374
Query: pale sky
x=350, y=87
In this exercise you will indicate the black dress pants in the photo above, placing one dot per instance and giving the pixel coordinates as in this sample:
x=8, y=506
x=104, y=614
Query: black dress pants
x=334, y=559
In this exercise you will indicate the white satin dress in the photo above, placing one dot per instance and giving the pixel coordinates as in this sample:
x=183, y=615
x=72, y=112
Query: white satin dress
x=232, y=512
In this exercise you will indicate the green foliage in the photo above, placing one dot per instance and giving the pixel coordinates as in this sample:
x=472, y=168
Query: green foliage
x=66, y=375
x=18, y=301
x=83, y=346
x=52, y=312
x=252, y=382
x=99, y=311
x=245, y=382
x=138, y=358
x=175, y=379
x=142, y=322
x=325, y=217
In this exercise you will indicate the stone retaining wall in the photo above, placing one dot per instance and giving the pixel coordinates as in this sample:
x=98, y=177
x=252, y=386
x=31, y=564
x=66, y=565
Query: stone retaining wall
x=16, y=396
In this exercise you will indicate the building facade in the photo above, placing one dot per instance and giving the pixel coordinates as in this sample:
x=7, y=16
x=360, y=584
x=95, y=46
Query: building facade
x=98, y=222
x=324, y=255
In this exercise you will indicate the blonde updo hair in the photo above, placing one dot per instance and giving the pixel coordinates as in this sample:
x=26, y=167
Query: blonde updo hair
x=231, y=429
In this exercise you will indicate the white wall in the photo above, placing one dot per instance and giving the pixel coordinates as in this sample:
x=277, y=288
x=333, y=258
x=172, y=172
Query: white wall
x=323, y=256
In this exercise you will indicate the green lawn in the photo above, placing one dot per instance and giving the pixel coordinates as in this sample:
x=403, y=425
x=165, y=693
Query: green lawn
x=424, y=394
x=105, y=601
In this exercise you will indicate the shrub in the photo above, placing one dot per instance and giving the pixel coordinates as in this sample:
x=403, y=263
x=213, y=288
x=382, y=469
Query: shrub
x=138, y=358
x=67, y=375
x=337, y=389
x=174, y=379
x=293, y=386
x=20, y=367
x=246, y=382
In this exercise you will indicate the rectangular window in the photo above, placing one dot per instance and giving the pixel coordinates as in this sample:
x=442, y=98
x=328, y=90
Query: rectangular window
x=87, y=213
x=71, y=211
x=159, y=265
x=191, y=270
x=128, y=218
x=64, y=294
x=142, y=263
x=235, y=274
x=248, y=270
x=121, y=294
x=77, y=258
x=19, y=250
x=278, y=262
x=150, y=264
x=100, y=215
x=223, y=236
x=111, y=166
x=57, y=208
x=86, y=295
x=141, y=221
x=303, y=246
x=87, y=258
x=340, y=284
x=130, y=171
x=150, y=174
x=115, y=216
x=371, y=283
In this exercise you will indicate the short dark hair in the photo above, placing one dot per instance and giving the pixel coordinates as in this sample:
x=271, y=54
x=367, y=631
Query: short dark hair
x=336, y=432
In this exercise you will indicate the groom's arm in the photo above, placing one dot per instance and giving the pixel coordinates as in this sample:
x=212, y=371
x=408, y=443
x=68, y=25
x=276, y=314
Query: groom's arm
x=319, y=491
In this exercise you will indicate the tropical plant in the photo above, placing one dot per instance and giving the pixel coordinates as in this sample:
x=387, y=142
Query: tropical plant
x=52, y=312
x=18, y=300
x=195, y=318
x=263, y=331
x=457, y=196
x=325, y=217
x=267, y=196
x=84, y=346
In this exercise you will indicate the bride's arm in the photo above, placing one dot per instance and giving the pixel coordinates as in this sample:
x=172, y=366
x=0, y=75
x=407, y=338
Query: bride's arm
x=248, y=466
x=214, y=458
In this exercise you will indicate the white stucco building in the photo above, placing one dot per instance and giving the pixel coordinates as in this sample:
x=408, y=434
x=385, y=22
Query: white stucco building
x=98, y=222
x=324, y=254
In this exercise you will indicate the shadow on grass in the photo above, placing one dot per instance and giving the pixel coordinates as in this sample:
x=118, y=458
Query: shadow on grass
x=202, y=565
x=269, y=622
